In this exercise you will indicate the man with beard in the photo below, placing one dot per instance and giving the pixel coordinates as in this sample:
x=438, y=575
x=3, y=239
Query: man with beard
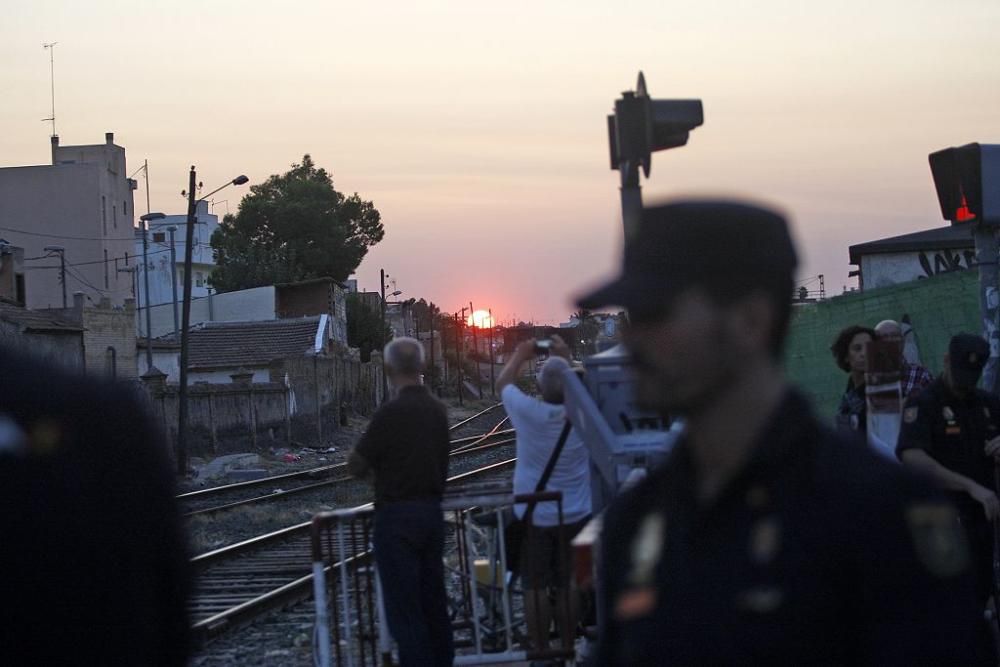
x=764, y=538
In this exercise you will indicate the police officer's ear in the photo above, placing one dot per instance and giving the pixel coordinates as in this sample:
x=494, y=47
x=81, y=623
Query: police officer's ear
x=753, y=318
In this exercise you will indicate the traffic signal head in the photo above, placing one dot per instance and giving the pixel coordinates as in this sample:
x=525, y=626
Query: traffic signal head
x=967, y=179
x=641, y=125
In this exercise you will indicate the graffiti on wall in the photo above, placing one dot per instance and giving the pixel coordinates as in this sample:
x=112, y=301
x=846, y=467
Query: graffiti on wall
x=946, y=261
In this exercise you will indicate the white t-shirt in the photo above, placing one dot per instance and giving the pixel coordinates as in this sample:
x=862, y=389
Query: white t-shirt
x=538, y=426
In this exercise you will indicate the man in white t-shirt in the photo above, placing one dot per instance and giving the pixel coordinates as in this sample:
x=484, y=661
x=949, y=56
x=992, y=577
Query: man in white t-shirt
x=539, y=422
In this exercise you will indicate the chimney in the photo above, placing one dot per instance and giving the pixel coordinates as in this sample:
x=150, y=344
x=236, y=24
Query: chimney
x=109, y=138
x=55, y=147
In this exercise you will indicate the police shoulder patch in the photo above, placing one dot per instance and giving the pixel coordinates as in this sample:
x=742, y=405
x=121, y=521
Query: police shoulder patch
x=910, y=414
x=937, y=538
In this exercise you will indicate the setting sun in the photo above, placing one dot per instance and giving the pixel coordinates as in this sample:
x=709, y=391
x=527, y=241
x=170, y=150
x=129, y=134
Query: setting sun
x=481, y=319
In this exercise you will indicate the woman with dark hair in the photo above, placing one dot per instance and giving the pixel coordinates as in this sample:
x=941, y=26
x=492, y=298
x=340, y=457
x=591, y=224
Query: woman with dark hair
x=849, y=352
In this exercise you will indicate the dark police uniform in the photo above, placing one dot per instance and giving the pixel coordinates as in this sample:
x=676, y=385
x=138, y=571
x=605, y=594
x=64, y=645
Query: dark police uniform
x=93, y=562
x=953, y=431
x=818, y=552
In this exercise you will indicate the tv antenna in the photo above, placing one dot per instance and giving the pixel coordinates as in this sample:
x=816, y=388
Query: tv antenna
x=52, y=80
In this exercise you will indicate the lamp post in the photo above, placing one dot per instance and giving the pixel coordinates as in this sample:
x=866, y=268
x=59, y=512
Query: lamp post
x=186, y=314
x=61, y=251
x=173, y=277
x=146, y=219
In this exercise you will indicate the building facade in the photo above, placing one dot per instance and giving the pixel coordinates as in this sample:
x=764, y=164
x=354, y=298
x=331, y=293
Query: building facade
x=916, y=256
x=76, y=213
x=163, y=272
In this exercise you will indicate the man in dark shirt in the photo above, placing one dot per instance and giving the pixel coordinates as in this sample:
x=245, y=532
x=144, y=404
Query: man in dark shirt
x=951, y=431
x=406, y=448
x=93, y=557
x=764, y=538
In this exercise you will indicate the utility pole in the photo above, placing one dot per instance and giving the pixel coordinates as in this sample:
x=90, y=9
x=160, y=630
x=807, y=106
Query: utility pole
x=433, y=367
x=493, y=382
x=459, y=344
x=61, y=251
x=475, y=352
x=173, y=278
x=182, y=406
x=385, y=384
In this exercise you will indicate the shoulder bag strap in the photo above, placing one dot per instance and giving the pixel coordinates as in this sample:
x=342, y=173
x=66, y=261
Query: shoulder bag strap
x=549, y=467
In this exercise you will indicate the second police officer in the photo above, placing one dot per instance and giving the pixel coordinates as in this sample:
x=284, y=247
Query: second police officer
x=951, y=431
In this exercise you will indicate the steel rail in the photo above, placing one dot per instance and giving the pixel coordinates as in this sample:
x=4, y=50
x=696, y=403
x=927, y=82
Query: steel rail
x=478, y=443
x=286, y=593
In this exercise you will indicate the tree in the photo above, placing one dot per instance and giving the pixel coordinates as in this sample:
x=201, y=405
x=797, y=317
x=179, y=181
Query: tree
x=294, y=227
x=365, y=329
x=586, y=328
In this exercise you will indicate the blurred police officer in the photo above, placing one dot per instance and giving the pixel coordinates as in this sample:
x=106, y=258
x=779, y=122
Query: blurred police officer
x=93, y=562
x=764, y=538
x=951, y=431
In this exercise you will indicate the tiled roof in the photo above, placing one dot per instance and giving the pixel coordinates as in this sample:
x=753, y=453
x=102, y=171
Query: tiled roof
x=235, y=344
x=36, y=320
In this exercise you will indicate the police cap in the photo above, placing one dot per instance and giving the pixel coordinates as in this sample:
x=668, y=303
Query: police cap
x=689, y=243
x=967, y=354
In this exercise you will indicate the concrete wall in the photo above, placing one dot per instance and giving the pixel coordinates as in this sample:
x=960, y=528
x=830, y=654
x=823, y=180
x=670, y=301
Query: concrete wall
x=303, y=402
x=938, y=307
x=63, y=349
x=885, y=269
x=241, y=306
x=83, y=204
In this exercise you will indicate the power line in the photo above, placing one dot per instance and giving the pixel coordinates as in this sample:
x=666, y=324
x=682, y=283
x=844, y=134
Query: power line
x=96, y=261
x=72, y=238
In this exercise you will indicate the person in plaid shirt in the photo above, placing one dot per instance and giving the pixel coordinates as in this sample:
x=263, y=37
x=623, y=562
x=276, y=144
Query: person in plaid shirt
x=913, y=378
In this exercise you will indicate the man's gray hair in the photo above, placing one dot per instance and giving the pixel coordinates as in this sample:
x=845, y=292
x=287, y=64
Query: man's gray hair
x=404, y=356
x=550, y=379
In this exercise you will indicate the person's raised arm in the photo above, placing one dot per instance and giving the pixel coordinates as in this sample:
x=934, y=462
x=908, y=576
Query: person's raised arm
x=523, y=352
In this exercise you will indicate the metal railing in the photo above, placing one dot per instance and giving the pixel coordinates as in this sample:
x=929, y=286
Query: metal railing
x=485, y=599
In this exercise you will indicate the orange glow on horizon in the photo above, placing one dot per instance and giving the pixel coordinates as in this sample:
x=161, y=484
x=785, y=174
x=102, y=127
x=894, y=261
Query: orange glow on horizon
x=480, y=319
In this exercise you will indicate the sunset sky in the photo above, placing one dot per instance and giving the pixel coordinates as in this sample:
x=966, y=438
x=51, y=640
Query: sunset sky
x=478, y=129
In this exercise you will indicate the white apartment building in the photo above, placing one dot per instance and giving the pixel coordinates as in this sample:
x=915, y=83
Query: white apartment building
x=158, y=259
x=81, y=203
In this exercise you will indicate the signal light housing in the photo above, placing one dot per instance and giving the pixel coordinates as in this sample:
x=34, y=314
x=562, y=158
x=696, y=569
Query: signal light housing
x=642, y=125
x=967, y=180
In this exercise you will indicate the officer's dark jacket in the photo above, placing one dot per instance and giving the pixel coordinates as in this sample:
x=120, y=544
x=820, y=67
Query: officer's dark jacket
x=819, y=552
x=953, y=430
x=93, y=562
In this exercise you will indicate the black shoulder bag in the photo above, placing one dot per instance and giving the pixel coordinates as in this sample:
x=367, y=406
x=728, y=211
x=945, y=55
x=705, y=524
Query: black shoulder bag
x=515, y=529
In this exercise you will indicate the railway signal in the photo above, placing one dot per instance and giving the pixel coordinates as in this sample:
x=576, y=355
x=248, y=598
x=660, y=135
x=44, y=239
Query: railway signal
x=640, y=126
x=967, y=180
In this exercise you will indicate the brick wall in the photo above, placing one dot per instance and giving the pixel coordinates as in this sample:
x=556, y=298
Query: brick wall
x=938, y=307
x=110, y=328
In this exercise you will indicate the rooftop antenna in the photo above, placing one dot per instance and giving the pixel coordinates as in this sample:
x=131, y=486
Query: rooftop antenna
x=52, y=80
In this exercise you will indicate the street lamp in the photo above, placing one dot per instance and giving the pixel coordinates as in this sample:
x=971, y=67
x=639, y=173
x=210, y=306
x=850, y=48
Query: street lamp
x=62, y=266
x=146, y=219
x=186, y=313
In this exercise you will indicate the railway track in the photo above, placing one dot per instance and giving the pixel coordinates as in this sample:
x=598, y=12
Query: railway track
x=319, y=479
x=237, y=583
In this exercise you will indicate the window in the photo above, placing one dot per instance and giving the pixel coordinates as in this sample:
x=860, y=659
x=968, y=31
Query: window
x=110, y=362
x=114, y=215
x=107, y=283
x=126, y=259
x=159, y=237
x=104, y=214
x=124, y=207
x=199, y=279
